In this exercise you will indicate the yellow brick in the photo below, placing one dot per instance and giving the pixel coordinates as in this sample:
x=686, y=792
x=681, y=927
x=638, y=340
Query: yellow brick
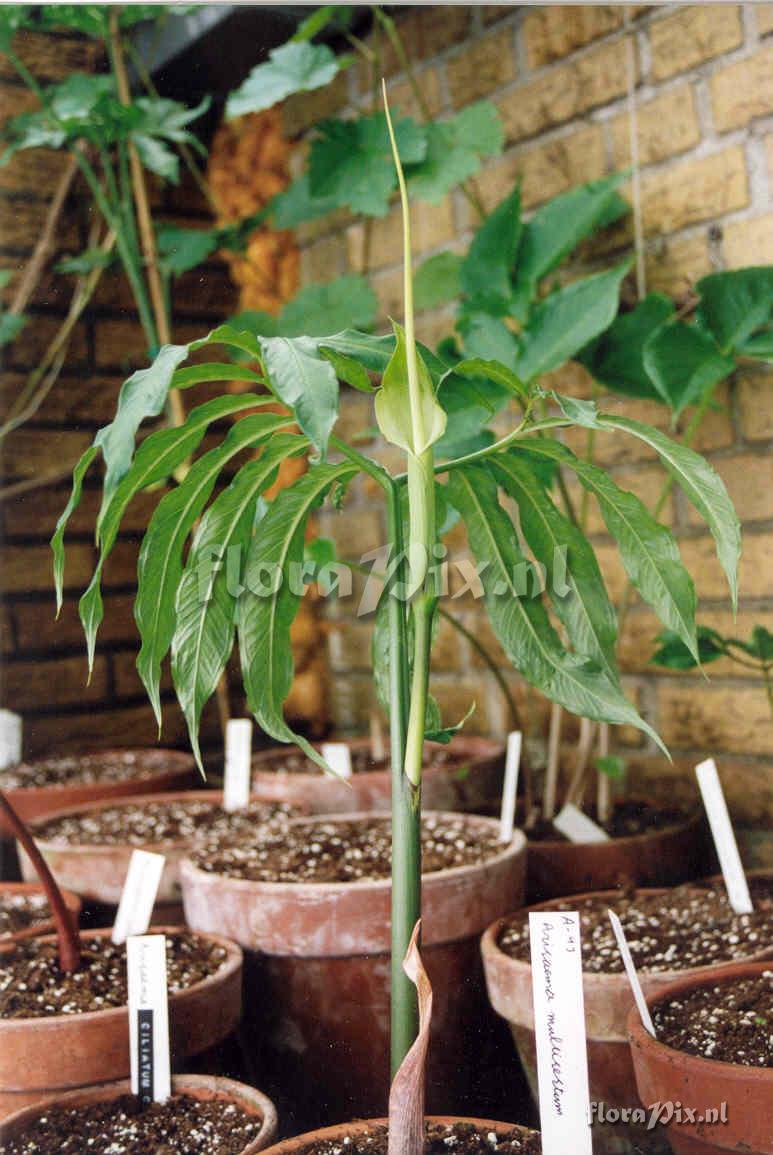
x=699, y=555
x=566, y=91
x=480, y=68
x=697, y=190
x=749, y=481
x=637, y=642
x=715, y=718
x=755, y=403
x=743, y=91
x=432, y=226
x=307, y=108
x=646, y=482
x=553, y=32
x=748, y=242
x=764, y=15
x=666, y=126
x=324, y=259
x=455, y=696
x=388, y=287
x=695, y=33
x=673, y=264
x=401, y=95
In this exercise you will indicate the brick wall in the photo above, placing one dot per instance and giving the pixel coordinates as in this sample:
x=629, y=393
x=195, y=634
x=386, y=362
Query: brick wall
x=559, y=77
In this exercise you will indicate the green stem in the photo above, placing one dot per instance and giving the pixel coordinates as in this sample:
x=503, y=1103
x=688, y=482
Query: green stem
x=768, y=686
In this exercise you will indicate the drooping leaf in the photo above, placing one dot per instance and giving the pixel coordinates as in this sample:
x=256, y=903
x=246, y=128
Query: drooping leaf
x=57, y=541
x=159, y=568
x=578, y=410
x=437, y=280
x=487, y=337
x=434, y=730
x=683, y=363
x=454, y=149
x=351, y=161
x=393, y=407
x=564, y=322
x=291, y=68
x=673, y=654
x=735, y=303
x=702, y=485
x=318, y=310
x=349, y=370
x=495, y=371
x=269, y=604
x=574, y=582
x=521, y=623
x=214, y=371
x=305, y=381
x=648, y=550
x=616, y=359
x=486, y=269
x=207, y=597
x=762, y=644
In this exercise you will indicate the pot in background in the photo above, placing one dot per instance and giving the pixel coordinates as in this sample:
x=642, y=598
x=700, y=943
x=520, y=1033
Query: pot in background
x=301, y=1143
x=200, y=1087
x=42, y=1056
x=664, y=1074
x=72, y=902
x=474, y=785
x=318, y=978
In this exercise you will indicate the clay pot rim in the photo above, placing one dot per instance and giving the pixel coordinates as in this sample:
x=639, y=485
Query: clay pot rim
x=490, y=748
x=240, y=1093
x=692, y=817
x=39, y=929
x=641, y=1037
x=184, y=761
x=230, y=966
x=360, y=1126
x=516, y=846
x=109, y=848
x=490, y=945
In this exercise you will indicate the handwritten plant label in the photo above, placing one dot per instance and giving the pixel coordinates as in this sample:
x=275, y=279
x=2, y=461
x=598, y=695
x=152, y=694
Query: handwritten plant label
x=630, y=970
x=338, y=756
x=148, y=1018
x=578, y=827
x=10, y=739
x=138, y=896
x=238, y=768
x=559, y=1025
x=724, y=839
x=510, y=788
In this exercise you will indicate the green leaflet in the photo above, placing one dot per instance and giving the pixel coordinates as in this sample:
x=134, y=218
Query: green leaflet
x=683, y=363
x=485, y=271
x=648, y=549
x=294, y=67
x=263, y=622
x=214, y=371
x=159, y=568
x=616, y=359
x=157, y=457
x=413, y=432
x=490, y=371
x=735, y=303
x=522, y=624
x=703, y=486
x=57, y=541
x=437, y=280
x=320, y=309
x=205, y=609
x=305, y=381
x=585, y=610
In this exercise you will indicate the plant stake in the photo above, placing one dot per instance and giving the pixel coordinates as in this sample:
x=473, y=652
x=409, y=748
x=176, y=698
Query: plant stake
x=338, y=756
x=554, y=755
x=138, y=896
x=148, y=1018
x=510, y=789
x=724, y=839
x=238, y=769
x=630, y=971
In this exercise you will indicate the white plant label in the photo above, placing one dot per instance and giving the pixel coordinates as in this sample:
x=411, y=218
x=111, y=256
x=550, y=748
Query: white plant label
x=559, y=1025
x=148, y=1018
x=10, y=739
x=338, y=756
x=724, y=839
x=238, y=764
x=630, y=970
x=138, y=896
x=510, y=788
x=578, y=827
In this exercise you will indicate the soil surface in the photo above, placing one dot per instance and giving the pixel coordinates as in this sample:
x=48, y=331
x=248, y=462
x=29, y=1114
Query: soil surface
x=32, y=985
x=111, y=766
x=731, y=1021
x=630, y=817
x=20, y=911
x=158, y=823
x=347, y=851
x=181, y=1126
x=461, y=1139
x=294, y=762
x=690, y=926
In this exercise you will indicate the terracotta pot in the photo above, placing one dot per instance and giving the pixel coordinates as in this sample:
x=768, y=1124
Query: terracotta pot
x=343, y=1131
x=202, y=1087
x=318, y=976
x=665, y=1075
x=608, y=1001
x=40, y=1056
x=72, y=902
x=443, y=788
x=658, y=858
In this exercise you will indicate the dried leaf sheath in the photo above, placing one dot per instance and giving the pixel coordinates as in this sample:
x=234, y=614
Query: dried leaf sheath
x=406, y=1098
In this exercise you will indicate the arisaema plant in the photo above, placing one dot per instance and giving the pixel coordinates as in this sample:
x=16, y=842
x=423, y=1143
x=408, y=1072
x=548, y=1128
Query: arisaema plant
x=238, y=581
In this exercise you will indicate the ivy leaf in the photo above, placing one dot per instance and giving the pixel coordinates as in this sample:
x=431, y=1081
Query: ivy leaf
x=184, y=249
x=296, y=204
x=564, y=322
x=437, y=281
x=294, y=67
x=574, y=582
x=263, y=622
x=454, y=149
x=673, y=654
x=351, y=161
x=205, y=608
x=736, y=303
x=683, y=363
x=616, y=359
x=304, y=381
x=521, y=623
x=393, y=410
x=321, y=309
x=157, y=157
x=485, y=272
